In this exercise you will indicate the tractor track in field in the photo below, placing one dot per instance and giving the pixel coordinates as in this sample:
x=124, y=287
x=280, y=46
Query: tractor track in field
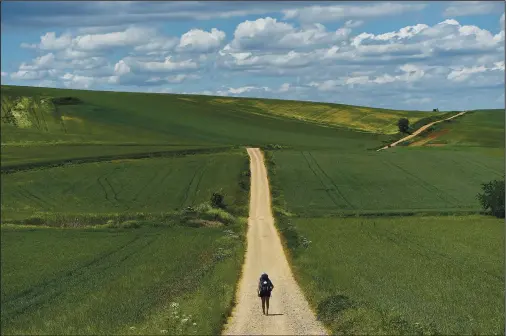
x=426, y=185
x=115, y=195
x=104, y=189
x=337, y=192
x=198, y=185
x=30, y=196
x=199, y=173
x=331, y=181
x=51, y=289
x=327, y=191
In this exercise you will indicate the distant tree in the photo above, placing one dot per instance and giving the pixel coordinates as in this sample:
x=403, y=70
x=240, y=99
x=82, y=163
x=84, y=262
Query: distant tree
x=492, y=198
x=217, y=200
x=403, y=124
x=435, y=110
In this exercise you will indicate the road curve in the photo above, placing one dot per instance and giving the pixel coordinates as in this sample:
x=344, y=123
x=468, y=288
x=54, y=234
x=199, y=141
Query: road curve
x=289, y=312
x=420, y=130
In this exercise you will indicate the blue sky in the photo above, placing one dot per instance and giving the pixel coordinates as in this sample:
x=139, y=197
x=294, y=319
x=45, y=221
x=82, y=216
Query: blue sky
x=403, y=55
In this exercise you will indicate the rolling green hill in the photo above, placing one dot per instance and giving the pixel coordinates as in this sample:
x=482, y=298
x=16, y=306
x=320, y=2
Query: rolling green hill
x=104, y=117
x=360, y=118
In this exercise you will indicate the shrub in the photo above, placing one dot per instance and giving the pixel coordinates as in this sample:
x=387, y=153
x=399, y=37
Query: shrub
x=492, y=198
x=217, y=200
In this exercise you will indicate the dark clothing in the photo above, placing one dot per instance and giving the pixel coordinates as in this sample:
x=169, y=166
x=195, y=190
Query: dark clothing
x=265, y=293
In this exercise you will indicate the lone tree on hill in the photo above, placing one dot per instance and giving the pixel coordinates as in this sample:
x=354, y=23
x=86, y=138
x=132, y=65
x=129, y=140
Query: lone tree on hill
x=403, y=124
x=492, y=197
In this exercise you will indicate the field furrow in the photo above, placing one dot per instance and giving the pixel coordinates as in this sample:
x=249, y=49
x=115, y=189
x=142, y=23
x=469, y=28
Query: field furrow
x=427, y=186
x=322, y=183
x=325, y=177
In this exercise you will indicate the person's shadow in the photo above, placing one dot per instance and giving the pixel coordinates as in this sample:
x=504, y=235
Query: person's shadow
x=275, y=314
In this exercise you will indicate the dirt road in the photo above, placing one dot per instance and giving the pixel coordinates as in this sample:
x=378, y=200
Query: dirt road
x=289, y=312
x=420, y=130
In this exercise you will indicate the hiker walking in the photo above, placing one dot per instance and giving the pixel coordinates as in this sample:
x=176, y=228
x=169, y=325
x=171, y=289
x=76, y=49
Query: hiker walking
x=265, y=288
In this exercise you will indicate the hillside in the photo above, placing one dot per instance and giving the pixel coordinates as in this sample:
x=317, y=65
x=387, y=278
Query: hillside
x=197, y=120
x=361, y=118
x=480, y=128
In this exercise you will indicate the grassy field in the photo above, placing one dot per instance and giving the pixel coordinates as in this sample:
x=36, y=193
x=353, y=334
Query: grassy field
x=147, y=185
x=403, y=275
x=174, y=280
x=323, y=183
x=482, y=128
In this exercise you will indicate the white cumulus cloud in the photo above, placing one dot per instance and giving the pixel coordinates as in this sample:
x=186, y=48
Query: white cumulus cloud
x=268, y=33
x=197, y=40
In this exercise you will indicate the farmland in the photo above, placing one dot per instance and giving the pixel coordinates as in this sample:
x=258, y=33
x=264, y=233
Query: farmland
x=118, y=281
x=404, y=275
x=134, y=263
x=147, y=185
x=111, y=248
x=482, y=128
x=322, y=183
x=391, y=242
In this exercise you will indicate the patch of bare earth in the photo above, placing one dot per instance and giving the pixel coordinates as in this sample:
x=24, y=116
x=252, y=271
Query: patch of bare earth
x=432, y=136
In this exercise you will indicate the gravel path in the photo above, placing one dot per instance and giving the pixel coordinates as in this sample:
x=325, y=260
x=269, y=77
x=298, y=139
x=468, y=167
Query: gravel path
x=289, y=312
x=420, y=130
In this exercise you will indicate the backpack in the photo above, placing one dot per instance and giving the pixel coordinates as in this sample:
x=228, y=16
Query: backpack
x=265, y=286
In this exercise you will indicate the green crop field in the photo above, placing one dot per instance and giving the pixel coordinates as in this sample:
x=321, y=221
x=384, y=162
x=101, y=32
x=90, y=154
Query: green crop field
x=174, y=280
x=322, y=183
x=405, y=275
x=146, y=185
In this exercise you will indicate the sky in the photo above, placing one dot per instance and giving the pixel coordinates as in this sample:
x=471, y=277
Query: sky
x=401, y=55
